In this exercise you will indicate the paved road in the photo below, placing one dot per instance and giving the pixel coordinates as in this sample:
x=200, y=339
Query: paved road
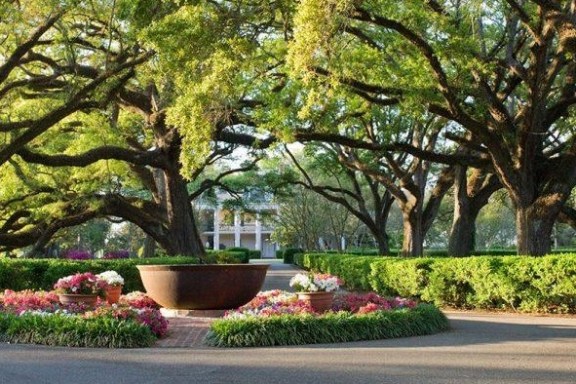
x=478, y=349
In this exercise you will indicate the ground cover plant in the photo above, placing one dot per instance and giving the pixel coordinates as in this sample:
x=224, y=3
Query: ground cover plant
x=279, y=318
x=38, y=317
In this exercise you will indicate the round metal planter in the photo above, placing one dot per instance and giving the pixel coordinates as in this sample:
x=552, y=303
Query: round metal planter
x=202, y=287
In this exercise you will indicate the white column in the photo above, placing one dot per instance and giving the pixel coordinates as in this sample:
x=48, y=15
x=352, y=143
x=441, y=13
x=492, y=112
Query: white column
x=217, y=228
x=258, y=242
x=343, y=243
x=236, y=228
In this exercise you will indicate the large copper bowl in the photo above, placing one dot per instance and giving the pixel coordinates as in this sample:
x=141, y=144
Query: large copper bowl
x=193, y=286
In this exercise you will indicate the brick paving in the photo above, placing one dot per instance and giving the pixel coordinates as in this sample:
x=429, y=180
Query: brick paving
x=189, y=331
x=185, y=332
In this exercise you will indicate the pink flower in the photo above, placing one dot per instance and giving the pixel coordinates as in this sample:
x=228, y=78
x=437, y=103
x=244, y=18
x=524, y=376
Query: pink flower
x=18, y=302
x=370, y=307
x=81, y=283
x=138, y=299
x=355, y=302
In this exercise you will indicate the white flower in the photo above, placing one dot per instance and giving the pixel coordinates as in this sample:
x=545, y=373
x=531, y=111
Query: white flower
x=315, y=282
x=111, y=277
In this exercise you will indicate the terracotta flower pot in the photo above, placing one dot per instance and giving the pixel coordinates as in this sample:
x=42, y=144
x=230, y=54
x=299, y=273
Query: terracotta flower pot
x=113, y=293
x=319, y=301
x=202, y=287
x=72, y=298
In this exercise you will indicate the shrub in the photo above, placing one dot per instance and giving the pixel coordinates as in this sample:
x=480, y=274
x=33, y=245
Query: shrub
x=226, y=257
x=40, y=274
x=78, y=254
x=530, y=284
x=255, y=254
x=289, y=253
x=280, y=254
x=122, y=254
x=245, y=252
x=329, y=328
x=363, y=252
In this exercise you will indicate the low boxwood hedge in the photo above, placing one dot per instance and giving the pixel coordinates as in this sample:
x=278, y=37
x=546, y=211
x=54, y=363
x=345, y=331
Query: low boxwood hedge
x=529, y=284
x=41, y=274
x=330, y=328
x=72, y=331
x=244, y=253
x=288, y=254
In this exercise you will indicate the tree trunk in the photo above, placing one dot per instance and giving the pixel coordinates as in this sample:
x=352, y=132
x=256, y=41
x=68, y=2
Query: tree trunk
x=149, y=247
x=382, y=240
x=463, y=232
x=471, y=194
x=538, y=205
x=534, y=226
x=182, y=236
x=413, y=236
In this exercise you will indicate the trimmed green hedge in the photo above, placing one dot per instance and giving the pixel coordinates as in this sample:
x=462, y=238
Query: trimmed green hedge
x=288, y=254
x=528, y=284
x=41, y=274
x=255, y=254
x=244, y=253
x=71, y=331
x=330, y=328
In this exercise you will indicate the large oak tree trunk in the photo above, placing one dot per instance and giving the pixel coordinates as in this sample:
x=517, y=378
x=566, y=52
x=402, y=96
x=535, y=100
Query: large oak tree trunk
x=418, y=217
x=378, y=226
x=537, y=209
x=149, y=247
x=463, y=233
x=181, y=235
x=382, y=240
x=534, y=229
x=470, y=196
x=413, y=237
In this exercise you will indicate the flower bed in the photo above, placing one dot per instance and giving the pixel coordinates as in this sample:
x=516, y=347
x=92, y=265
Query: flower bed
x=39, y=318
x=279, y=318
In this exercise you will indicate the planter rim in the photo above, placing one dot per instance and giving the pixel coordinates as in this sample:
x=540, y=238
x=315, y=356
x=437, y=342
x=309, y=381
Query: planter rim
x=205, y=267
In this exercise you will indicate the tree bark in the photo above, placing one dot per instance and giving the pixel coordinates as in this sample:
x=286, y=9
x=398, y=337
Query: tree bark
x=471, y=194
x=149, y=247
x=182, y=236
x=534, y=229
x=413, y=236
x=382, y=240
x=462, y=240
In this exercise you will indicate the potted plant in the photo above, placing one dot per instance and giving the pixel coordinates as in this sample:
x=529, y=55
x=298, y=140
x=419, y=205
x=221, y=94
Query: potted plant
x=80, y=288
x=316, y=288
x=114, y=285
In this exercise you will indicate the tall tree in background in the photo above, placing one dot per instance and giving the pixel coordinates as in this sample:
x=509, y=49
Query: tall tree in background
x=503, y=73
x=417, y=190
x=358, y=194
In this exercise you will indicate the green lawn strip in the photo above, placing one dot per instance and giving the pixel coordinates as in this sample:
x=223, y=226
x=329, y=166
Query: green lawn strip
x=331, y=328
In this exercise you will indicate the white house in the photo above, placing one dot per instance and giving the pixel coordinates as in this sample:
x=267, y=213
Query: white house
x=225, y=228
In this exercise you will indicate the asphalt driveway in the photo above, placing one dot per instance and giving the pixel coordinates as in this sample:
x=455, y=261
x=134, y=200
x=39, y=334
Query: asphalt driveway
x=478, y=349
